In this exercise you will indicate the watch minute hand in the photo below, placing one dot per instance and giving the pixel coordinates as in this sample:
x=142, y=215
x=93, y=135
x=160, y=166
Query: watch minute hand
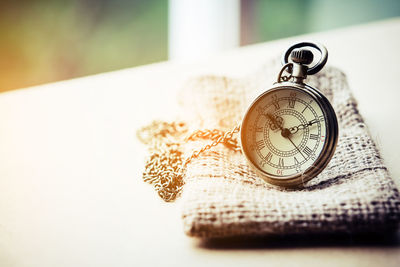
x=294, y=129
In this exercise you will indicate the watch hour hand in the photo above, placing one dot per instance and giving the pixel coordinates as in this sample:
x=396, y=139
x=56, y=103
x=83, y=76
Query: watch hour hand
x=276, y=121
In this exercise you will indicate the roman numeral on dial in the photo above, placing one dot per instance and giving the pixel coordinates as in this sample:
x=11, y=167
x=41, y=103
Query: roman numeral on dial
x=260, y=144
x=309, y=103
x=314, y=136
x=276, y=104
x=268, y=157
x=280, y=163
x=307, y=151
x=292, y=101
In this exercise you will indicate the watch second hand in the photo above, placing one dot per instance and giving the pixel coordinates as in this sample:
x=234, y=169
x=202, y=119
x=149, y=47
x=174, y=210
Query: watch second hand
x=296, y=147
x=286, y=133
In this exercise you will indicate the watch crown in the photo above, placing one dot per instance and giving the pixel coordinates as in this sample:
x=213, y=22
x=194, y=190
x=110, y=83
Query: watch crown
x=302, y=56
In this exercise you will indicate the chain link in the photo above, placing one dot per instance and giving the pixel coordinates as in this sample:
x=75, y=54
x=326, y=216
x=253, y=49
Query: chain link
x=165, y=168
x=218, y=137
x=284, y=78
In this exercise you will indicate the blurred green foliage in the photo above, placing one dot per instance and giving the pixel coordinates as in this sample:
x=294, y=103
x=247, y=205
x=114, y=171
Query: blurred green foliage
x=276, y=19
x=44, y=41
x=49, y=40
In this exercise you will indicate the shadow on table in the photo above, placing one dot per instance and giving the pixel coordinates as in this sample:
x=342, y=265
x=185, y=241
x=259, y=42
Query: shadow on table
x=389, y=239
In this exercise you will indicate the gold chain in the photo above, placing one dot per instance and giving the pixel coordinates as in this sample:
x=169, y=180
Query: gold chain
x=165, y=168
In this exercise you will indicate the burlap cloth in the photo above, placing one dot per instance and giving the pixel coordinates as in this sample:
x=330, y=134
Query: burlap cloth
x=223, y=197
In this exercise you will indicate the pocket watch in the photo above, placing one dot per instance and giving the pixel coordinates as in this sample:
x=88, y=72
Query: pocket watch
x=289, y=133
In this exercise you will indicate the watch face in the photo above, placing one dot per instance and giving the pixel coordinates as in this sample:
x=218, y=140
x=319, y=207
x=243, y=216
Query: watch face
x=284, y=133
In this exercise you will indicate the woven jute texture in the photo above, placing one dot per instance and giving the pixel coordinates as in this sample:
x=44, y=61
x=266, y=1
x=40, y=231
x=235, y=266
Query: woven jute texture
x=223, y=197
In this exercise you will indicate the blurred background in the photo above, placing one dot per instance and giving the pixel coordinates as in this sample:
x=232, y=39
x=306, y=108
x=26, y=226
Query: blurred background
x=49, y=40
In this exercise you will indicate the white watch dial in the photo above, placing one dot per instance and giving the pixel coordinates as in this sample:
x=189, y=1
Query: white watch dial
x=285, y=132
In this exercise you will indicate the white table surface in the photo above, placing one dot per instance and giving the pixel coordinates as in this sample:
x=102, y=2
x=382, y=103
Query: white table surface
x=71, y=192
